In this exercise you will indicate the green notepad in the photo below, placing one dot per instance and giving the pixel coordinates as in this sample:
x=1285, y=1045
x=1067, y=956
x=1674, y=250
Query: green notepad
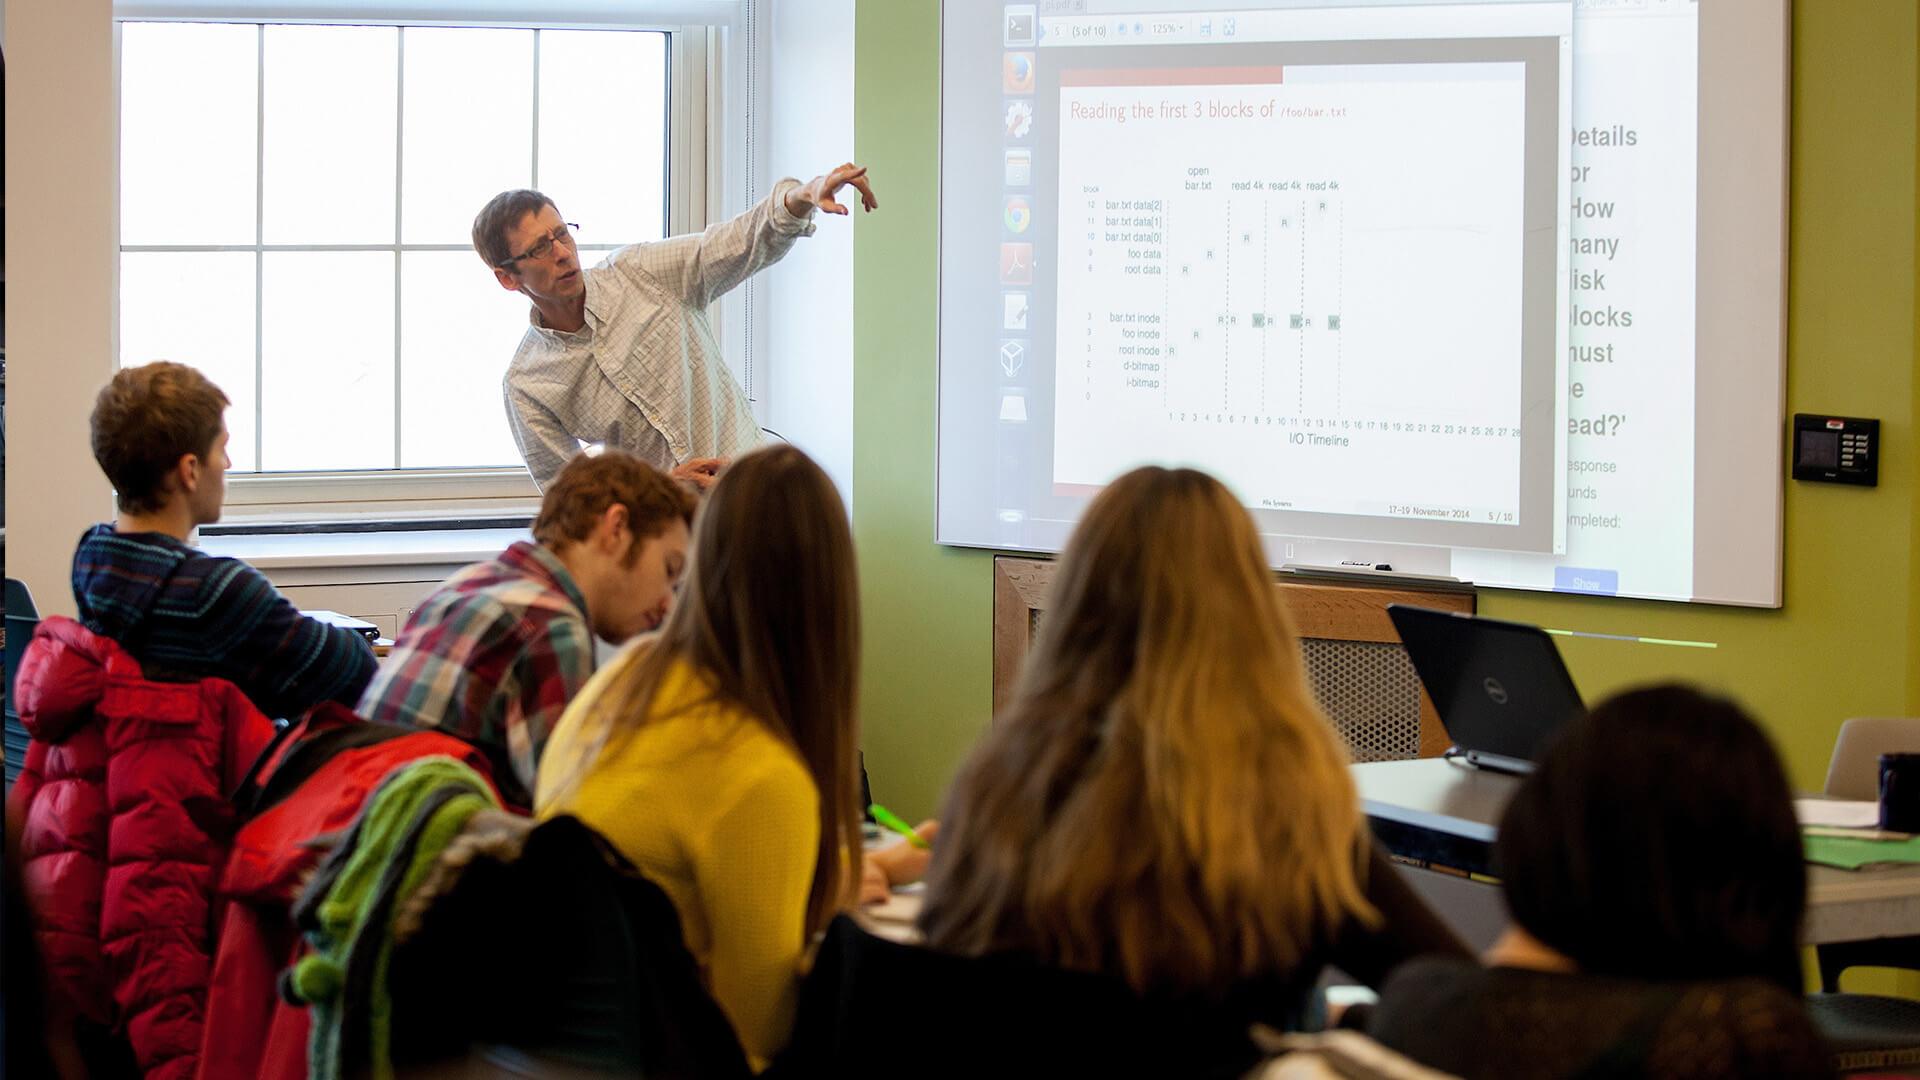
x=1851, y=854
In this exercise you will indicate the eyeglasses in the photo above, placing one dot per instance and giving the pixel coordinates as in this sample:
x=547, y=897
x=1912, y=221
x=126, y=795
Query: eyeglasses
x=544, y=246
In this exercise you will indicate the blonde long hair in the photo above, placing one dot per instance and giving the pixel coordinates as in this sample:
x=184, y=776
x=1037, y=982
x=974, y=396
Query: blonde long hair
x=769, y=618
x=1161, y=798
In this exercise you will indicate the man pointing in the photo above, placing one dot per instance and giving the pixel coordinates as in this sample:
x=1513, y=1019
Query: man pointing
x=623, y=353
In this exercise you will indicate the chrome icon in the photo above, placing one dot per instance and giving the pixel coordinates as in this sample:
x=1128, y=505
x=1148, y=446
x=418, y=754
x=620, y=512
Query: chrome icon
x=1019, y=214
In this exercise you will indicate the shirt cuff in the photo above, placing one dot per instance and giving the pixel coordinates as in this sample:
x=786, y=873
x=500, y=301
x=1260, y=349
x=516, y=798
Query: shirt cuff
x=783, y=219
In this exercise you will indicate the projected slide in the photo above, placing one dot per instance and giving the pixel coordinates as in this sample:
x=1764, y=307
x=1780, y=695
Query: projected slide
x=1481, y=288
x=1315, y=251
x=1311, y=287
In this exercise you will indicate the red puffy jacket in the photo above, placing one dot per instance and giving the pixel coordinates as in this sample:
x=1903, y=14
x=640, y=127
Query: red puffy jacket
x=124, y=819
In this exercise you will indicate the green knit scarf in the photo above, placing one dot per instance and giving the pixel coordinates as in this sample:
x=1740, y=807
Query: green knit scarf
x=390, y=828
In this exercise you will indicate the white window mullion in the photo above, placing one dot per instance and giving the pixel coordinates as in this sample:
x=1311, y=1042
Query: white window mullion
x=737, y=163
x=260, y=254
x=534, y=173
x=399, y=236
x=690, y=118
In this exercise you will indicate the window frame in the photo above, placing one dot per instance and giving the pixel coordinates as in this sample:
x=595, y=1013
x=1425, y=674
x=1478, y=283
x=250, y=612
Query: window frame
x=696, y=55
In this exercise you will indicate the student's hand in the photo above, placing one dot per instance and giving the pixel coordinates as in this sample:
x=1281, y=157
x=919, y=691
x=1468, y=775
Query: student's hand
x=896, y=864
x=700, y=472
x=820, y=191
x=874, y=888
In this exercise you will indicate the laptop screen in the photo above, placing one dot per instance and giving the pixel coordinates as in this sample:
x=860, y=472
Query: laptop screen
x=1500, y=688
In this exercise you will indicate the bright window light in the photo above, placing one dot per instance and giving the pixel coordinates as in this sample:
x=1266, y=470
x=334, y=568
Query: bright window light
x=296, y=212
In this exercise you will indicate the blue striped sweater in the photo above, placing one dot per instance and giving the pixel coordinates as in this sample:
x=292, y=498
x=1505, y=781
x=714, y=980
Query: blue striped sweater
x=186, y=614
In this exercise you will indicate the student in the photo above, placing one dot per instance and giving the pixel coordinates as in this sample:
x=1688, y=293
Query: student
x=718, y=756
x=1653, y=869
x=497, y=652
x=160, y=435
x=623, y=353
x=1158, y=842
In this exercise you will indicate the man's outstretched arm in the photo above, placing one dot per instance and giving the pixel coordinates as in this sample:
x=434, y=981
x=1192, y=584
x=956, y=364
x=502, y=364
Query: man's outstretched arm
x=701, y=267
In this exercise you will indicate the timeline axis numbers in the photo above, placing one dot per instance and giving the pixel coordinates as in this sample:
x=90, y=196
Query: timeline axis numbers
x=1347, y=424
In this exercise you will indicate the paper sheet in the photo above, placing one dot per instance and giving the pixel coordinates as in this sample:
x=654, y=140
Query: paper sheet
x=1840, y=813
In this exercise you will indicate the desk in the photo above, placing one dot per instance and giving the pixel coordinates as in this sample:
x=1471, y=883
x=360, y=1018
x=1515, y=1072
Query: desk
x=1434, y=812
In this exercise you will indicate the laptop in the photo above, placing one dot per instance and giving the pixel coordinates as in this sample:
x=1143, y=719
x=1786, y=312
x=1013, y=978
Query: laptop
x=362, y=627
x=1500, y=688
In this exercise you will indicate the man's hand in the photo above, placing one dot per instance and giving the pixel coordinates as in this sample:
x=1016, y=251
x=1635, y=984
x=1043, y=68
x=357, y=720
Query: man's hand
x=820, y=191
x=700, y=472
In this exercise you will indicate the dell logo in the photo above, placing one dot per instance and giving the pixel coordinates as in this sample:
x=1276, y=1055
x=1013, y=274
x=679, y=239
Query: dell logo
x=1495, y=691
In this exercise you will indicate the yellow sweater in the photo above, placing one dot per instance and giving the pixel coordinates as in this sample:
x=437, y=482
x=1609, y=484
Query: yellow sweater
x=718, y=811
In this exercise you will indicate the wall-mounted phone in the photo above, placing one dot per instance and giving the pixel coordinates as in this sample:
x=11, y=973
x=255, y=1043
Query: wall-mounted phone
x=1836, y=449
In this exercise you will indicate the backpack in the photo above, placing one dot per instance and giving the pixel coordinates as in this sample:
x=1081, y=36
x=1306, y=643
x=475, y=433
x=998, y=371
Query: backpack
x=303, y=791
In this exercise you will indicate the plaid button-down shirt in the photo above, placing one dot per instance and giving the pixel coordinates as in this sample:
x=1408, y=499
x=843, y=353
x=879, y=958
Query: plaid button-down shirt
x=492, y=657
x=645, y=373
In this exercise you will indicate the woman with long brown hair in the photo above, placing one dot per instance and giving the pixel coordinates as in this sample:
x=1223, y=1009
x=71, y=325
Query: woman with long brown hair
x=1161, y=801
x=719, y=755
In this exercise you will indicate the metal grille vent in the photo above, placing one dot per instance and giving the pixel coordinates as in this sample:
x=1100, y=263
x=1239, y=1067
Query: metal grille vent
x=1370, y=692
x=1368, y=689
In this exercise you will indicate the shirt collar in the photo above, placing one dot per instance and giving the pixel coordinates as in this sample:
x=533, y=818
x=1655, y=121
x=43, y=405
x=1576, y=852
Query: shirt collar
x=536, y=561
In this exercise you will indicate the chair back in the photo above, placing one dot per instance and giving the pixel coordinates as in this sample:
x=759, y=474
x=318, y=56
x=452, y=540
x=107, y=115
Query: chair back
x=558, y=959
x=21, y=618
x=1014, y=1009
x=1854, y=771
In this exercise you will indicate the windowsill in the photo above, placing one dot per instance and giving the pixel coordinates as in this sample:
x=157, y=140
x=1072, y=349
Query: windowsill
x=288, y=551
x=347, y=526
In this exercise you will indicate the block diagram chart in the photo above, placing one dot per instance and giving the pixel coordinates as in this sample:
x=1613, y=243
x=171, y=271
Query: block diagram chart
x=1253, y=284
x=1307, y=281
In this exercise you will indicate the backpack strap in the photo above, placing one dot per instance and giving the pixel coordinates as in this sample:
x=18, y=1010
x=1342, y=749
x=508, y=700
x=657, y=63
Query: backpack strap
x=309, y=743
x=245, y=795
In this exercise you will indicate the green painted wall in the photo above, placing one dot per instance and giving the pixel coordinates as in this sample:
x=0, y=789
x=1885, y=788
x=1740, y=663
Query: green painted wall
x=927, y=611
x=1913, y=583
x=1846, y=643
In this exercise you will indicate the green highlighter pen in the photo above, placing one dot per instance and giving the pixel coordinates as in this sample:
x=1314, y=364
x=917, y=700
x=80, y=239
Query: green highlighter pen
x=887, y=818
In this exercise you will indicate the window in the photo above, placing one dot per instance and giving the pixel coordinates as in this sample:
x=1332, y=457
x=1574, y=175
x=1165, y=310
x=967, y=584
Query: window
x=295, y=207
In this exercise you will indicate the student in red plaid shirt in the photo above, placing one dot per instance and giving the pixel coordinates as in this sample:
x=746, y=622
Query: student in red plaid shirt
x=495, y=654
